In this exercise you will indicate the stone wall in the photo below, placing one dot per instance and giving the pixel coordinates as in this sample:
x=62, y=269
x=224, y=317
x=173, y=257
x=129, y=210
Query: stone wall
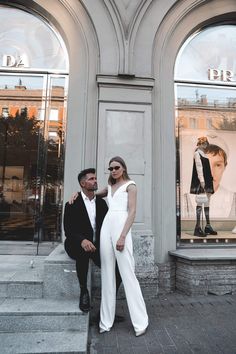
x=166, y=277
x=206, y=277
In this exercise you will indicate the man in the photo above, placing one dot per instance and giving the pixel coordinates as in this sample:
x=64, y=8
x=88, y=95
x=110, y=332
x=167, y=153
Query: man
x=82, y=223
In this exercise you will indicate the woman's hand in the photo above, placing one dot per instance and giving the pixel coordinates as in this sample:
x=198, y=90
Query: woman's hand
x=73, y=197
x=120, y=245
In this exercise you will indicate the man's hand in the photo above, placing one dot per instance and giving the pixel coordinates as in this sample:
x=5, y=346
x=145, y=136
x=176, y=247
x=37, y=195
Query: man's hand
x=88, y=246
x=73, y=197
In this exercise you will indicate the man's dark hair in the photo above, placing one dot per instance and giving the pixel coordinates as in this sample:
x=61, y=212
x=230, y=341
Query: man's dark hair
x=83, y=173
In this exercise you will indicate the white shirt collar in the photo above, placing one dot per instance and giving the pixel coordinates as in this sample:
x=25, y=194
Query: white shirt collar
x=86, y=198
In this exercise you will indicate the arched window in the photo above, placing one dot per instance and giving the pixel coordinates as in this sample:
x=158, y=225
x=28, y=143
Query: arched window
x=33, y=96
x=205, y=86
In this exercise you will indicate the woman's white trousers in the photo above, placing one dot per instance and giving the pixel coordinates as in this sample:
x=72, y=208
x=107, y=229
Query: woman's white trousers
x=110, y=233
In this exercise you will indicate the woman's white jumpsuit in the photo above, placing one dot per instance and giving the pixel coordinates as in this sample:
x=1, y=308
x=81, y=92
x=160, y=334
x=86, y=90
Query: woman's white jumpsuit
x=111, y=230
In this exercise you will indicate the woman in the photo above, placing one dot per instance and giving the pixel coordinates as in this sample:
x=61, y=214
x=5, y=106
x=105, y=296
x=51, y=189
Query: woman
x=116, y=245
x=202, y=182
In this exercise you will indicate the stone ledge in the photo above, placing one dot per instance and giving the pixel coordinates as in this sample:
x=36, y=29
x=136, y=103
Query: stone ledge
x=205, y=271
x=60, y=279
x=58, y=255
x=210, y=254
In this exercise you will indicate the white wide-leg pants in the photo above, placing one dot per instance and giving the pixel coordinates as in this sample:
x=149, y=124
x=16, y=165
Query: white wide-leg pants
x=111, y=229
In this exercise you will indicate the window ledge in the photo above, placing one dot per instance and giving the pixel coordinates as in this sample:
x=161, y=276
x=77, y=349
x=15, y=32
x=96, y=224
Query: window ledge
x=205, y=254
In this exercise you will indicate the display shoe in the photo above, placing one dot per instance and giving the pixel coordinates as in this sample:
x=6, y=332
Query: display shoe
x=234, y=230
x=209, y=230
x=84, y=302
x=198, y=232
x=140, y=333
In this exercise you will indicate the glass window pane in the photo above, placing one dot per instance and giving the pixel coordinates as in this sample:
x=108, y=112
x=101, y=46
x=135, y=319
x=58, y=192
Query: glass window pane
x=37, y=48
x=19, y=143
x=210, y=49
x=54, y=167
x=31, y=157
x=207, y=111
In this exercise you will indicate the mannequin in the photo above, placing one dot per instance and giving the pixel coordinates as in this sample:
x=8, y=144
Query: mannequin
x=202, y=182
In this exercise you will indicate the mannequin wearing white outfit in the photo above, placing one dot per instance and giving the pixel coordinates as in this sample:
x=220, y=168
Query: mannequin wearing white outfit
x=116, y=245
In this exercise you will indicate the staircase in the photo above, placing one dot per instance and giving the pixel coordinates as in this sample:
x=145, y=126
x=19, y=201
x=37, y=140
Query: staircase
x=39, y=305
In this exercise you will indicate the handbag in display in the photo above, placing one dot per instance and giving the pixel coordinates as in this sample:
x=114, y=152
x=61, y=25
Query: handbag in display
x=201, y=198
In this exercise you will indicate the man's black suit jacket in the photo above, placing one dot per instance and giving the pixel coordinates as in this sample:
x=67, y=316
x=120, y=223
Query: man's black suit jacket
x=77, y=225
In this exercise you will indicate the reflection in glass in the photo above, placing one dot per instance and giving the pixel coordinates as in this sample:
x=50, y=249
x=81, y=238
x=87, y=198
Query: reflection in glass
x=31, y=157
x=37, y=48
x=19, y=139
x=54, y=164
x=195, y=59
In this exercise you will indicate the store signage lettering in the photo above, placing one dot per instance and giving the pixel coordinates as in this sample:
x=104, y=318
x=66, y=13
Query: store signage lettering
x=220, y=75
x=10, y=61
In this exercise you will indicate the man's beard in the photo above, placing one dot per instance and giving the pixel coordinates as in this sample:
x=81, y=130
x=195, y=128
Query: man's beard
x=95, y=188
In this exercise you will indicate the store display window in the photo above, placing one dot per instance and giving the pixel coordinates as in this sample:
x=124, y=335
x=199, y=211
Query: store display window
x=205, y=92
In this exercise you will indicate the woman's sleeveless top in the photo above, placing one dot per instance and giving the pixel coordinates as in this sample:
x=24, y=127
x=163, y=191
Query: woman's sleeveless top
x=119, y=200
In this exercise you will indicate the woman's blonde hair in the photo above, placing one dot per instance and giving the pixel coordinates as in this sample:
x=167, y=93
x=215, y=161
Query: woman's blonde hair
x=125, y=175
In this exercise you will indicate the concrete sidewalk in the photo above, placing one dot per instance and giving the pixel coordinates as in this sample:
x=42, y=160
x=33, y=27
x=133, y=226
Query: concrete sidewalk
x=178, y=324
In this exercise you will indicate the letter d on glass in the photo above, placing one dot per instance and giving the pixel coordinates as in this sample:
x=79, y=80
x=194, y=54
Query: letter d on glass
x=8, y=60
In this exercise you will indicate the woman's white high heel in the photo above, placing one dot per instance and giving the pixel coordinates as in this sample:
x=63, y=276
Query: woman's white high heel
x=140, y=333
x=101, y=330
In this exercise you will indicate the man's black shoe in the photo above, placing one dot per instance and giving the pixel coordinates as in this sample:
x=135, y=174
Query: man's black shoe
x=209, y=230
x=84, y=302
x=198, y=232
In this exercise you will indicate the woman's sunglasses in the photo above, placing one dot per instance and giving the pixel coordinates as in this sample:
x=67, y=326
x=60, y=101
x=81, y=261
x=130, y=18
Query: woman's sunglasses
x=113, y=168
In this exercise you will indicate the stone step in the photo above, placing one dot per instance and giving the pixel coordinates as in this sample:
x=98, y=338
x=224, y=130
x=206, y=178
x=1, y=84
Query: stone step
x=42, y=326
x=41, y=314
x=51, y=276
x=26, y=248
x=21, y=289
x=21, y=276
x=67, y=342
x=60, y=279
x=39, y=305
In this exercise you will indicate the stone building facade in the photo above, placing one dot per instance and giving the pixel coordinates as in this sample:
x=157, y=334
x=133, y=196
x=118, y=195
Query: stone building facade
x=119, y=73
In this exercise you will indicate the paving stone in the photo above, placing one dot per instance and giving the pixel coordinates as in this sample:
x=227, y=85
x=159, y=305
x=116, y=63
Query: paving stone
x=178, y=324
x=180, y=342
x=155, y=351
x=126, y=349
x=141, y=349
x=163, y=337
x=110, y=350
